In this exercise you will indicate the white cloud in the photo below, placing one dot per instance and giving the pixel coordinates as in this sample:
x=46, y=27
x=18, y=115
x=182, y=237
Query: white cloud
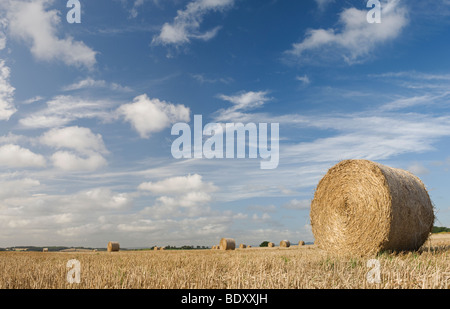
x=184, y=196
x=7, y=108
x=16, y=156
x=178, y=185
x=357, y=38
x=88, y=147
x=103, y=198
x=33, y=100
x=304, y=79
x=33, y=23
x=69, y=161
x=186, y=24
x=148, y=116
x=242, y=102
x=17, y=187
x=76, y=138
x=63, y=109
x=297, y=204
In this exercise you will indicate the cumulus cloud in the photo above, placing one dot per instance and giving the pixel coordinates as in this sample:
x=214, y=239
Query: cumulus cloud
x=16, y=156
x=297, y=204
x=69, y=161
x=178, y=185
x=33, y=23
x=187, y=23
x=17, y=187
x=103, y=198
x=148, y=116
x=356, y=38
x=181, y=196
x=76, y=138
x=87, y=147
x=7, y=108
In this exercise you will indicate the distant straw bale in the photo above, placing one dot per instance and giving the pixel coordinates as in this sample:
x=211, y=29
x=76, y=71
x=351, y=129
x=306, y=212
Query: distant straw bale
x=113, y=246
x=227, y=244
x=285, y=244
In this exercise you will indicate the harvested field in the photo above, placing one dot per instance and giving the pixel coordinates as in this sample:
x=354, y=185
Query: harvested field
x=253, y=268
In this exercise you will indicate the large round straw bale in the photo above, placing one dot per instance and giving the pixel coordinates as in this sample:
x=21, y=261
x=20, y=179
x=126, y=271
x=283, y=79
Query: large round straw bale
x=242, y=246
x=362, y=207
x=113, y=246
x=285, y=244
x=270, y=245
x=301, y=243
x=227, y=244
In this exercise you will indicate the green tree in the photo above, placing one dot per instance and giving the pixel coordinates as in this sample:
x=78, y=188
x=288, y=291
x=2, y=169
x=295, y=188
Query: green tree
x=264, y=244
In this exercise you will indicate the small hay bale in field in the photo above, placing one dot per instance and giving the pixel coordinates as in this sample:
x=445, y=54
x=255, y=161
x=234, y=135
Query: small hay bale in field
x=301, y=243
x=155, y=248
x=362, y=207
x=270, y=245
x=227, y=244
x=285, y=244
x=113, y=246
x=44, y=249
x=242, y=246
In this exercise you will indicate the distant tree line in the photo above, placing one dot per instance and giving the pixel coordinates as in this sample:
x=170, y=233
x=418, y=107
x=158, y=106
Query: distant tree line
x=440, y=229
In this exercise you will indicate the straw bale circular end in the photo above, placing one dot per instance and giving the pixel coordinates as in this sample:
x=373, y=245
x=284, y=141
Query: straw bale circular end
x=271, y=245
x=227, y=244
x=362, y=207
x=242, y=246
x=285, y=244
x=301, y=243
x=113, y=246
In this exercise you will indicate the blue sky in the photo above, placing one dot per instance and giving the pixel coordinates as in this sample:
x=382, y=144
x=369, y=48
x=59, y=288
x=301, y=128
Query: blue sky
x=86, y=112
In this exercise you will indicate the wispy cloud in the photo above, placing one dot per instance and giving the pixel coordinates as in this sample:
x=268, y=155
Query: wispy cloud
x=241, y=102
x=201, y=78
x=62, y=110
x=186, y=25
x=322, y=4
x=92, y=83
x=304, y=79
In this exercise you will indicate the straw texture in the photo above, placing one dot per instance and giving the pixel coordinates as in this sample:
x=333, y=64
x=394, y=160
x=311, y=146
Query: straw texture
x=363, y=207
